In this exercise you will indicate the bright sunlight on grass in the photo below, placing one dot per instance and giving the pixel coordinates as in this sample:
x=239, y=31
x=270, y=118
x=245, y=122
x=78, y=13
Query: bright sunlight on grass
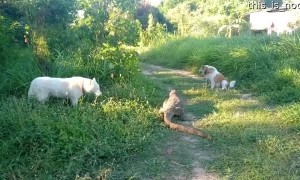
x=255, y=137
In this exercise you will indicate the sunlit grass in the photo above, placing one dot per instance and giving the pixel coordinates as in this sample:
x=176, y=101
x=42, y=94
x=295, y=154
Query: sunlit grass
x=250, y=135
x=260, y=64
x=121, y=134
x=255, y=137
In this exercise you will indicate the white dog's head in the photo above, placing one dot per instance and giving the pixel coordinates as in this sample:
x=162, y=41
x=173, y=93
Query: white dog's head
x=91, y=86
x=205, y=70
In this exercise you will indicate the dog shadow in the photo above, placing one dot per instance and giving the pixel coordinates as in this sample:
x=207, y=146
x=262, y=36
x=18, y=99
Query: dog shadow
x=201, y=108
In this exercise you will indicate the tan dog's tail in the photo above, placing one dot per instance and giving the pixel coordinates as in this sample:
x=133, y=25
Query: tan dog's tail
x=232, y=84
x=167, y=119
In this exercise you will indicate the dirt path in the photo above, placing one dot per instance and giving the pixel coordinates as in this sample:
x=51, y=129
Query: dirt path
x=184, y=151
x=150, y=70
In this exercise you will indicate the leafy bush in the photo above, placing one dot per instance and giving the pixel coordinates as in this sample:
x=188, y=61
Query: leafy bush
x=17, y=64
x=107, y=63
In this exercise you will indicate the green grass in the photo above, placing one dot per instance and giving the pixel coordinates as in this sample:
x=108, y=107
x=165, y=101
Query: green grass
x=253, y=139
x=120, y=135
x=267, y=66
x=95, y=139
x=56, y=140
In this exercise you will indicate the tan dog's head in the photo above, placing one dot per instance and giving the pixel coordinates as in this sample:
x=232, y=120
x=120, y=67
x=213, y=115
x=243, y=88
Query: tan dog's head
x=206, y=69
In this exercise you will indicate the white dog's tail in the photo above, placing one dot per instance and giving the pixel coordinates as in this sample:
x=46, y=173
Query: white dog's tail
x=32, y=90
x=232, y=84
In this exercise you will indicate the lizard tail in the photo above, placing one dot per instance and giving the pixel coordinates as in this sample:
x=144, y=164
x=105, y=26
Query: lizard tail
x=167, y=119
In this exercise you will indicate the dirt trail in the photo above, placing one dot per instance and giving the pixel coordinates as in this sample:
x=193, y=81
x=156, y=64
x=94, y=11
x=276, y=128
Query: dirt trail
x=184, y=144
x=149, y=69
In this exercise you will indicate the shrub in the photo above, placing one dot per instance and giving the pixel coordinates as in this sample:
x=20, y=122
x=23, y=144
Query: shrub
x=17, y=63
x=106, y=63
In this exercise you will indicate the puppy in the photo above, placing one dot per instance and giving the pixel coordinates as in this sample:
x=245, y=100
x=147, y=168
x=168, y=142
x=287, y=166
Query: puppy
x=215, y=78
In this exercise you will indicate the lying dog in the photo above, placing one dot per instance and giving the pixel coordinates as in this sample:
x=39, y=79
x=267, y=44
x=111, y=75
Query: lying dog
x=215, y=78
x=72, y=88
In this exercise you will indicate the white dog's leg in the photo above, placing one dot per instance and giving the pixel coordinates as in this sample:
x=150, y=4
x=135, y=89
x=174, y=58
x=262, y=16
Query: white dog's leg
x=74, y=101
x=212, y=84
x=43, y=96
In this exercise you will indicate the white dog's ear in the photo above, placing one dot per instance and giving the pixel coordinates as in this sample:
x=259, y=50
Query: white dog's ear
x=204, y=68
x=94, y=79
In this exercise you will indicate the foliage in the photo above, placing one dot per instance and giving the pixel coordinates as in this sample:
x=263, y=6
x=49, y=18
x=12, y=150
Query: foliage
x=122, y=28
x=49, y=38
x=40, y=13
x=67, y=44
x=55, y=140
x=108, y=64
x=153, y=34
x=143, y=13
x=15, y=60
x=205, y=18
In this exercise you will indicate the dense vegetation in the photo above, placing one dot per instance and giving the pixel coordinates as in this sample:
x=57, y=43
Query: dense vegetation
x=49, y=38
x=99, y=39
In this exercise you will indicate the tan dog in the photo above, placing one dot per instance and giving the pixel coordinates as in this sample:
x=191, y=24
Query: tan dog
x=215, y=78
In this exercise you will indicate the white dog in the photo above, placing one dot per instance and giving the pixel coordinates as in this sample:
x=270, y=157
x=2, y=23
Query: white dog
x=73, y=88
x=215, y=78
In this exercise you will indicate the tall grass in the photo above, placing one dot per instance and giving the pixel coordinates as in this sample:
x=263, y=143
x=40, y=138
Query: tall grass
x=17, y=70
x=56, y=140
x=268, y=66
